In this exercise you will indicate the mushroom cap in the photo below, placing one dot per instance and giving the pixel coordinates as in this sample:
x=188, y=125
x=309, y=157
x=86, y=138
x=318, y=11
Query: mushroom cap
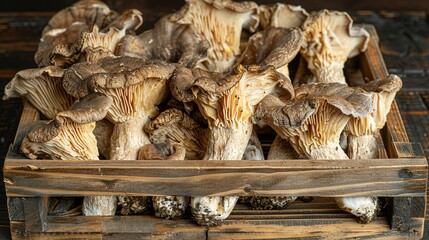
x=135, y=86
x=168, y=41
x=162, y=151
x=69, y=136
x=42, y=87
x=227, y=99
x=273, y=46
x=330, y=39
x=317, y=115
x=58, y=47
x=90, y=12
x=130, y=19
x=221, y=22
x=176, y=127
x=281, y=15
x=383, y=93
x=90, y=109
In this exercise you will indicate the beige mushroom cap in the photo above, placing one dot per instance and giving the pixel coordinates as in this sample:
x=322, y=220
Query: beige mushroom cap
x=281, y=15
x=317, y=115
x=329, y=40
x=168, y=41
x=42, y=87
x=221, y=22
x=175, y=126
x=69, y=136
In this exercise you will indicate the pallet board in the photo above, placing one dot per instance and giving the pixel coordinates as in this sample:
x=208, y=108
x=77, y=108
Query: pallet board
x=402, y=178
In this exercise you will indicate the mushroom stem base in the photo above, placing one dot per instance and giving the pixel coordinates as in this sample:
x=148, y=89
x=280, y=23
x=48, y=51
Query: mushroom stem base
x=362, y=147
x=364, y=208
x=127, y=139
x=328, y=151
x=170, y=207
x=99, y=206
x=211, y=211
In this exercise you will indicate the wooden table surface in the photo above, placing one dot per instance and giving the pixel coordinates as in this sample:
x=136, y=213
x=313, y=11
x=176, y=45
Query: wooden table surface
x=404, y=41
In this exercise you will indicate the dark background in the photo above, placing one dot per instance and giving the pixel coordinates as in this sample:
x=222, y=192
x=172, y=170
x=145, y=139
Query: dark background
x=403, y=27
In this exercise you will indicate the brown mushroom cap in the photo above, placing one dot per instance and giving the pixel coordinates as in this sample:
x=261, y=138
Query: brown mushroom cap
x=162, y=151
x=90, y=12
x=221, y=23
x=317, y=115
x=134, y=85
x=383, y=93
x=273, y=46
x=42, y=87
x=58, y=47
x=69, y=136
x=227, y=100
x=168, y=41
x=281, y=15
x=175, y=126
x=329, y=40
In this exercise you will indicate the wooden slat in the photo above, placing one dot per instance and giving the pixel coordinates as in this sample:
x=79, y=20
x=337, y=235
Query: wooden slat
x=392, y=177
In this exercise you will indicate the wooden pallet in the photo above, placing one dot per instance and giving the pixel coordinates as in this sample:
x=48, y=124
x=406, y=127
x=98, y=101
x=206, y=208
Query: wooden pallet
x=400, y=176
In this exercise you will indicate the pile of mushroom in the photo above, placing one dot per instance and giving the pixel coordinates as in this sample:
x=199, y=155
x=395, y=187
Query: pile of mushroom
x=193, y=87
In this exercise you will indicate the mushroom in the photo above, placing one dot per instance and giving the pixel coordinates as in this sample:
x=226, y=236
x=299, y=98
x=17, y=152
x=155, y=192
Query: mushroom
x=227, y=101
x=132, y=205
x=69, y=137
x=221, y=22
x=90, y=12
x=281, y=15
x=168, y=41
x=273, y=46
x=176, y=127
x=313, y=122
x=136, y=88
x=168, y=207
x=82, y=40
x=42, y=87
x=362, y=143
x=329, y=40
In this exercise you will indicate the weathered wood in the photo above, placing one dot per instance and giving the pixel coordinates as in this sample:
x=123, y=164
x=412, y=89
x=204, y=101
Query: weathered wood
x=15, y=206
x=194, y=178
x=35, y=211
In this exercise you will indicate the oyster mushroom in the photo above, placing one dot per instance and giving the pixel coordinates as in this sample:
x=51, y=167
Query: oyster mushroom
x=91, y=12
x=103, y=132
x=362, y=143
x=168, y=41
x=281, y=15
x=136, y=88
x=83, y=41
x=168, y=207
x=176, y=127
x=313, y=122
x=329, y=40
x=273, y=46
x=69, y=137
x=227, y=101
x=221, y=22
x=43, y=88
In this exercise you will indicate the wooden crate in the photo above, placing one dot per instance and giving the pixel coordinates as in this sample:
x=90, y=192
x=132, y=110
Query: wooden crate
x=400, y=175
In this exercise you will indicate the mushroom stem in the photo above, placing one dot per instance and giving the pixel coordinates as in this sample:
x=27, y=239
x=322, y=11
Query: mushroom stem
x=127, y=138
x=331, y=73
x=224, y=144
x=99, y=206
x=228, y=143
x=362, y=147
x=364, y=208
